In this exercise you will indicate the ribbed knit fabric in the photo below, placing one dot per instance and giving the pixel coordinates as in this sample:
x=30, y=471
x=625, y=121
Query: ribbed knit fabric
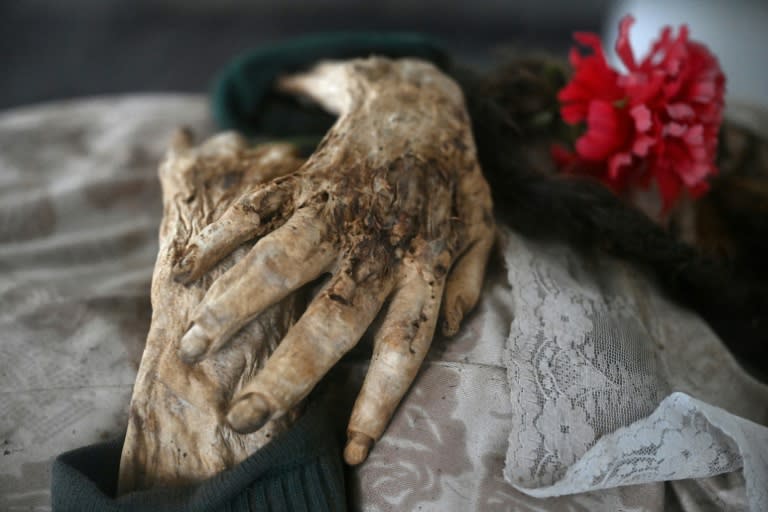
x=299, y=471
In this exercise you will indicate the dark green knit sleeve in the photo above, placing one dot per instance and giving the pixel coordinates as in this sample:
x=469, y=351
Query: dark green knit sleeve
x=243, y=98
x=299, y=471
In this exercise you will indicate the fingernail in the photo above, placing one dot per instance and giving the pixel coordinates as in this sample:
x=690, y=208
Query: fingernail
x=182, y=271
x=452, y=322
x=193, y=345
x=358, y=446
x=450, y=327
x=249, y=413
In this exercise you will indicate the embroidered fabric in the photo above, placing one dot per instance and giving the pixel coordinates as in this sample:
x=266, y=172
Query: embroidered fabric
x=613, y=384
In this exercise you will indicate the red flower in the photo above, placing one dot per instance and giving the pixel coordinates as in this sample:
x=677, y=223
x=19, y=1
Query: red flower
x=659, y=120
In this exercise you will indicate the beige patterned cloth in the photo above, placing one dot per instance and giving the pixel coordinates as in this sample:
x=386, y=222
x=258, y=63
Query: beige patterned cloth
x=574, y=386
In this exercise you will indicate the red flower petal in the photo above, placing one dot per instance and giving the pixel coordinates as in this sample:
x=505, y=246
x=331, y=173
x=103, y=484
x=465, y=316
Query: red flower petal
x=660, y=120
x=616, y=163
x=642, y=117
x=562, y=157
x=623, y=48
x=605, y=132
x=642, y=144
x=703, y=91
x=695, y=135
x=680, y=111
x=699, y=189
x=670, y=188
x=592, y=41
x=674, y=130
x=573, y=113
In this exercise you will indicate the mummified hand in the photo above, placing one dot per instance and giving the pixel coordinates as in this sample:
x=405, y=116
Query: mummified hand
x=392, y=204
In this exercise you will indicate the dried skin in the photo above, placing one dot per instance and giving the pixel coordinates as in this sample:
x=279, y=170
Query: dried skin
x=392, y=204
x=177, y=432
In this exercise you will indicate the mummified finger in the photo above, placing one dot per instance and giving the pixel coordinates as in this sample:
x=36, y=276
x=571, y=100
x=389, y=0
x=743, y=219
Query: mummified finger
x=278, y=264
x=400, y=346
x=176, y=409
x=333, y=323
x=465, y=282
x=251, y=216
x=218, y=155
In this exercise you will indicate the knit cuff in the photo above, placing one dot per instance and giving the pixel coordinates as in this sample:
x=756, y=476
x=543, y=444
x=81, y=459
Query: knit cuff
x=298, y=471
x=243, y=98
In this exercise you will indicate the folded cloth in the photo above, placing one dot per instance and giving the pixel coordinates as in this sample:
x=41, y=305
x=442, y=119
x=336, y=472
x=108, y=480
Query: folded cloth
x=299, y=471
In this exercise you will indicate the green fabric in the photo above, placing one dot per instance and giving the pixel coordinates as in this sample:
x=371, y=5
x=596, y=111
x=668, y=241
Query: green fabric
x=243, y=98
x=300, y=470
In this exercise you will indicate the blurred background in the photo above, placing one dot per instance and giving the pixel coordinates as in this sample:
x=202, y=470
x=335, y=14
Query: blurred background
x=54, y=49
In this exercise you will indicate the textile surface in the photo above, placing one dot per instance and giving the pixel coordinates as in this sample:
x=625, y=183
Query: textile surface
x=573, y=386
x=299, y=471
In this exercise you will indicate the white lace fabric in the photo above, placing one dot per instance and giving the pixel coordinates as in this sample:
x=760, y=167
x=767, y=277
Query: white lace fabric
x=614, y=385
